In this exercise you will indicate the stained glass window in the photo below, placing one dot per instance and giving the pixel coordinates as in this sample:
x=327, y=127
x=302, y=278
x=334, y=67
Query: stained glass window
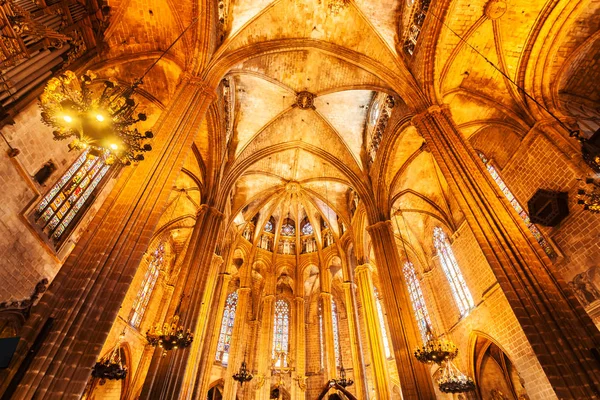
x=287, y=229
x=321, y=338
x=281, y=333
x=417, y=300
x=226, y=328
x=459, y=288
x=307, y=229
x=143, y=297
x=384, y=334
x=522, y=213
x=269, y=226
x=56, y=213
x=336, y=332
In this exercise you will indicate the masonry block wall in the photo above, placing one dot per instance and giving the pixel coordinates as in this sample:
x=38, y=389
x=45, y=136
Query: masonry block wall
x=491, y=317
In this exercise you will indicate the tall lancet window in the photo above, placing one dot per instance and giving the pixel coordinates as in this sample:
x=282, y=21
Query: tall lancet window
x=460, y=291
x=336, y=332
x=226, y=328
x=515, y=204
x=62, y=207
x=281, y=333
x=384, y=334
x=321, y=338
x=143, y=297
x=417, y=300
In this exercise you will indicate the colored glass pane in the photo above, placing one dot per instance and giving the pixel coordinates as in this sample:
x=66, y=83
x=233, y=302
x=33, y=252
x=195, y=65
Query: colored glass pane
x=307, y=229
x=417, y=300
x=269, y=226
x=288, y=229
x=143, y=297
x=281, y=333
x=518, y=208
x=226, y=328
x=336, y=332
x=459, y=288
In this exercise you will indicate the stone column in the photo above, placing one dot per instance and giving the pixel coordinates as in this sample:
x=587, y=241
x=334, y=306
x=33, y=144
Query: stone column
x=328, y=341
x=85, y=297
x=558, y=329
x=213, y=339
x=358, y=364
x=238, y=342
x=381, y=376
x=177, y=373
x=263, y=355
x=300, y=348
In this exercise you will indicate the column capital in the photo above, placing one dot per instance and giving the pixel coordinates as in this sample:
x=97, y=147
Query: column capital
x=209, y=210
x=365, y=268
x=244, y=290
x=326, y=295
x=379, y=225
x=202, y=85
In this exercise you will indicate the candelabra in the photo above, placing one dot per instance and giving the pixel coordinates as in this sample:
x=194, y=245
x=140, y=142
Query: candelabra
x=243, y=375
x=454, y=381
x=110, y=366
x=170, y=336
x=436, y=350
x=590, y=199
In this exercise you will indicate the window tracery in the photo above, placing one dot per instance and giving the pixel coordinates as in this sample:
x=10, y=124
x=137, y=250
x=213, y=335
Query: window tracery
x=307, y=229
x=226, y=328
x=336, y=332
x=281, y=333
x=269, y=226
x=417, y=300
x=459, y=288
x=288, y=229
x=517, y=206
x=60, y=209
x=143, y=296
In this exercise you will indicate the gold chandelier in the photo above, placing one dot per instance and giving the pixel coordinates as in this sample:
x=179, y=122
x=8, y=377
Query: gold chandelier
x=436, y=350
x=97, y=114
x=453, y=380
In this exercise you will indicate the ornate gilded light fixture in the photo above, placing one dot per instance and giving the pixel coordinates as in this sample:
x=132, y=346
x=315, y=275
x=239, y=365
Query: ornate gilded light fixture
x=590, y=199
x=454, y=381
x=99, y=114
x=172, y=335
x=243, y=375
x=342, y=380
x=111, y=366
x=436, y=350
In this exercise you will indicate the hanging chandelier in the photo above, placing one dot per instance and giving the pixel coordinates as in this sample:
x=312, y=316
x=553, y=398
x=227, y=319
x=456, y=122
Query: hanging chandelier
x=97, y=114
x=436, y=350
x=111, y=366
x=454, y=381
x=170, y=336
x=590, y=199
x=243, y=375
x=342, y=380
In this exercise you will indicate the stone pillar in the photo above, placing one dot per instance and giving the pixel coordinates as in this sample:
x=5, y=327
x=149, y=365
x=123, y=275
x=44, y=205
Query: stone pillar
x=238, y=342
x=300, y=348
x=177, y=373
x=263, y=355
x=381, y=376
x=85, y=297
x=328, y=341
x=213, y=339
x=358, y=364
x=558, y=329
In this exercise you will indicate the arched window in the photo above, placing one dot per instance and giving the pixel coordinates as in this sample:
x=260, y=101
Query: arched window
x=143, y=297
x=513, y=202
x=226, y=328
x=321, y=337
x=288, y=228
x=336, y=332
x=281, y=333
x=62, y=207
x=460, y=291
x=384, y=334
x=417, y=300
x=269, y=225
x=307, y=228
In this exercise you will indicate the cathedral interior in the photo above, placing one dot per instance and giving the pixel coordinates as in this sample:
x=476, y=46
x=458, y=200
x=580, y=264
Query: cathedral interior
x=300, y=199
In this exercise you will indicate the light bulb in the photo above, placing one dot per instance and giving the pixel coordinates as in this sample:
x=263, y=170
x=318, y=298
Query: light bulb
x=68, y=119
x=100, y=117
x=114, y=146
